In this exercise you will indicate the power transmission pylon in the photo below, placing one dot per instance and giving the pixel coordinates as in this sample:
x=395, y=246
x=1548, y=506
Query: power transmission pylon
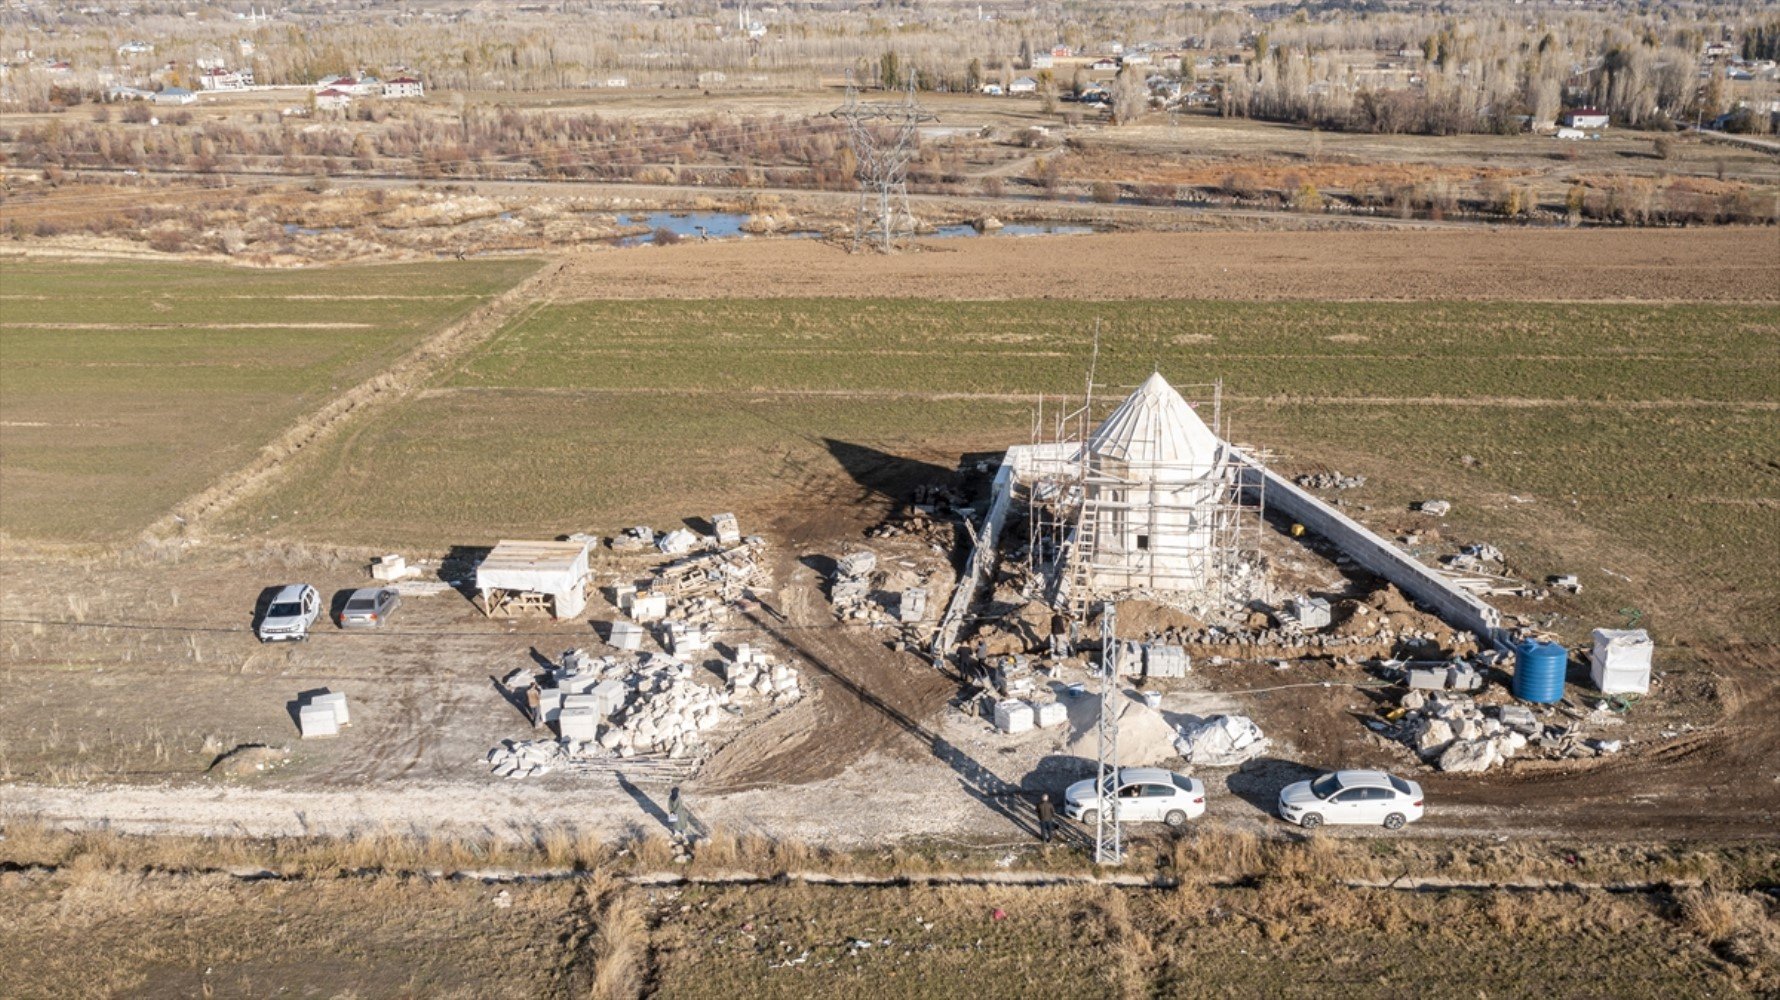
x=884, y=136
x=1108, y=850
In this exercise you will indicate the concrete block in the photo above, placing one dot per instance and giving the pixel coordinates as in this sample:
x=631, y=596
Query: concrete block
x=519, y=679
x=1427, y=679
x=336, y=703
x=627, y=635
x=577, y=683
x=857, y=564
x=850, y=590
x=649, y=607
x=317, y=720
x=1049, y=713
x=728, y=530
x=622, y=595
x=1520, y=719
x=1013, y=716
x=609, y=697
x=580, y=723
x=1163, y=660
x=1308, y=612
x=389, y=568
x=913, y=607
x=549, y=704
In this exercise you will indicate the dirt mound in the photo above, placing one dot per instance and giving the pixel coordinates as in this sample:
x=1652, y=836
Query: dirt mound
x=248, y=759
x=1137, y=617
x=1145, y=738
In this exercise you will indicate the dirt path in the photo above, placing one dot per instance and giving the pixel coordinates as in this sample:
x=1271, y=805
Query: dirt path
x=394, y=383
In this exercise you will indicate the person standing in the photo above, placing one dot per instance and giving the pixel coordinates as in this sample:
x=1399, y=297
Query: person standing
x=1059, y=637
x=1047, y=817
x=677, y=813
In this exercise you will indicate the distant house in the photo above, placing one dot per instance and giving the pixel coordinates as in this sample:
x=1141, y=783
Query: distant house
x=711, y=78
x=616, y=81
x=1024, y=85
x=129, y=94
x=1135, y=59
x=1584, y=118
x=1061, y=52
x=1716, y=49
x=1042, y=60
x=59, y=66
x=174, y=95
x=222, y=79
x=333, y=99
x=1170, y=63
x=403, y=87
x=134, y=48
x=993, y=89
x=1104, y=65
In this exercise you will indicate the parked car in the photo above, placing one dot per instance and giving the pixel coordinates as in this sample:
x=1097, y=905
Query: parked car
x=1146, y=795
x=1352, y=797
x=368, y=607
x=293, y=608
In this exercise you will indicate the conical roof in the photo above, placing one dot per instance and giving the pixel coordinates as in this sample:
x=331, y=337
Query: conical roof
x=1154, y=426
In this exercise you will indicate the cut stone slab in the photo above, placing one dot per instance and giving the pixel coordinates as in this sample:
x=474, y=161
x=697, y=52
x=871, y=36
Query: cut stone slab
x=1049, y=713
x=317, y=720
x=335, y=702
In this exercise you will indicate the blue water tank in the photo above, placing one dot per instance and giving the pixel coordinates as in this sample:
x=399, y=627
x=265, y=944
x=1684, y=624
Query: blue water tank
x=1539, y=671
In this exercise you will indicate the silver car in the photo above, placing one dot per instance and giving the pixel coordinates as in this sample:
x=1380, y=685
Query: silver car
x=293, y=608
x=369, y=607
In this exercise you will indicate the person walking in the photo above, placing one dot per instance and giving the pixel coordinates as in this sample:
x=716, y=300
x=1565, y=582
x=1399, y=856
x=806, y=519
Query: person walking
x=1047, y=817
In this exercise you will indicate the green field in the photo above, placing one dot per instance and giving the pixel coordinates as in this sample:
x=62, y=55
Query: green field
x=127, y=387
x=1643, y=441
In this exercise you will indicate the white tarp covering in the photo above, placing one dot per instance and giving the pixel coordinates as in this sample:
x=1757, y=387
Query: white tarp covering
x=1620, y=661
x=558, y=569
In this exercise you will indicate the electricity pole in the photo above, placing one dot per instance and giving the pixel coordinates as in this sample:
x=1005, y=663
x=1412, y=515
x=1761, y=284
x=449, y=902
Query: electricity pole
x=884, y=136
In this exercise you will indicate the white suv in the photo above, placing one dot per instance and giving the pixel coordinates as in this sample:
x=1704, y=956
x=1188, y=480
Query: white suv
x=1146, y=795
x=1354, y=797
x=293, y=609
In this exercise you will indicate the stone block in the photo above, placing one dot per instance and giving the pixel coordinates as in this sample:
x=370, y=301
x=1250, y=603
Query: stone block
x=336, y=703
x=627, y=635
x=579, y=723
x=1049, y=713
x=317, y=720
x=1013, y=716
x=1427, y=679
x=649, y=607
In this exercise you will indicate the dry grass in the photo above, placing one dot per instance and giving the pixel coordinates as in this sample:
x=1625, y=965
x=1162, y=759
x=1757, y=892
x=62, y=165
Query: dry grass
x=620, y=947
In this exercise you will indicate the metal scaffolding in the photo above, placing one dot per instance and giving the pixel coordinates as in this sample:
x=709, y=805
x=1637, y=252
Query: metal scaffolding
x=1184, y=534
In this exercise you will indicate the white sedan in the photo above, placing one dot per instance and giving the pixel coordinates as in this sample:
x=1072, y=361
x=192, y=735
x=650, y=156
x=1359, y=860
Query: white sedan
x=1366, y=798
x=1146, y=795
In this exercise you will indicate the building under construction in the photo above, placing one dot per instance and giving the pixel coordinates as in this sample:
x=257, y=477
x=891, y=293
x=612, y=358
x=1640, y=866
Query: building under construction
x=1148, y=501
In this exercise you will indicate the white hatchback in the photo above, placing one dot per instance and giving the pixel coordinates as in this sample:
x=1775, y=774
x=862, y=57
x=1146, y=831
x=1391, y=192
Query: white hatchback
x=1146, y=795
x=1365, y=798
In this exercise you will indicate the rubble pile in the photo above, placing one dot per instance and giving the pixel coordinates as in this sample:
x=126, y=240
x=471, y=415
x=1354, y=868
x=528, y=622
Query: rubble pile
x=1330, y=481
x=526, y=758
x=1222, y=741
x=928, y=516
x=1454, y=732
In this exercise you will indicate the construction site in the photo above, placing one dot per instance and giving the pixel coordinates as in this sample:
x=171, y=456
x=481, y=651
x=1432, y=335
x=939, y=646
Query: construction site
x=837, y=617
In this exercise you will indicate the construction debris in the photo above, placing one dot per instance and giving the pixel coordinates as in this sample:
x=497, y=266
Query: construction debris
x=1330, y=481
x=392, y=568
x=677, y=542
x=1222, y=741
x=1567, y=582
x=526, y=758
x=1013, y=716
x=1456, y=676
x=634, y=539
x=726, y=528
x=1435, y=508
x=1308, y=612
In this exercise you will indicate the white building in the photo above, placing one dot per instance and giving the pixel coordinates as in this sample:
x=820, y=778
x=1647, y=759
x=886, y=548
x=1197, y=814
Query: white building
x=402, y=87
x=217, y=78
x=174, y=95
x=333, y=99
x=1584, y=118
x=1043, y=60
x=1157, y=482
x=1024, y=85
